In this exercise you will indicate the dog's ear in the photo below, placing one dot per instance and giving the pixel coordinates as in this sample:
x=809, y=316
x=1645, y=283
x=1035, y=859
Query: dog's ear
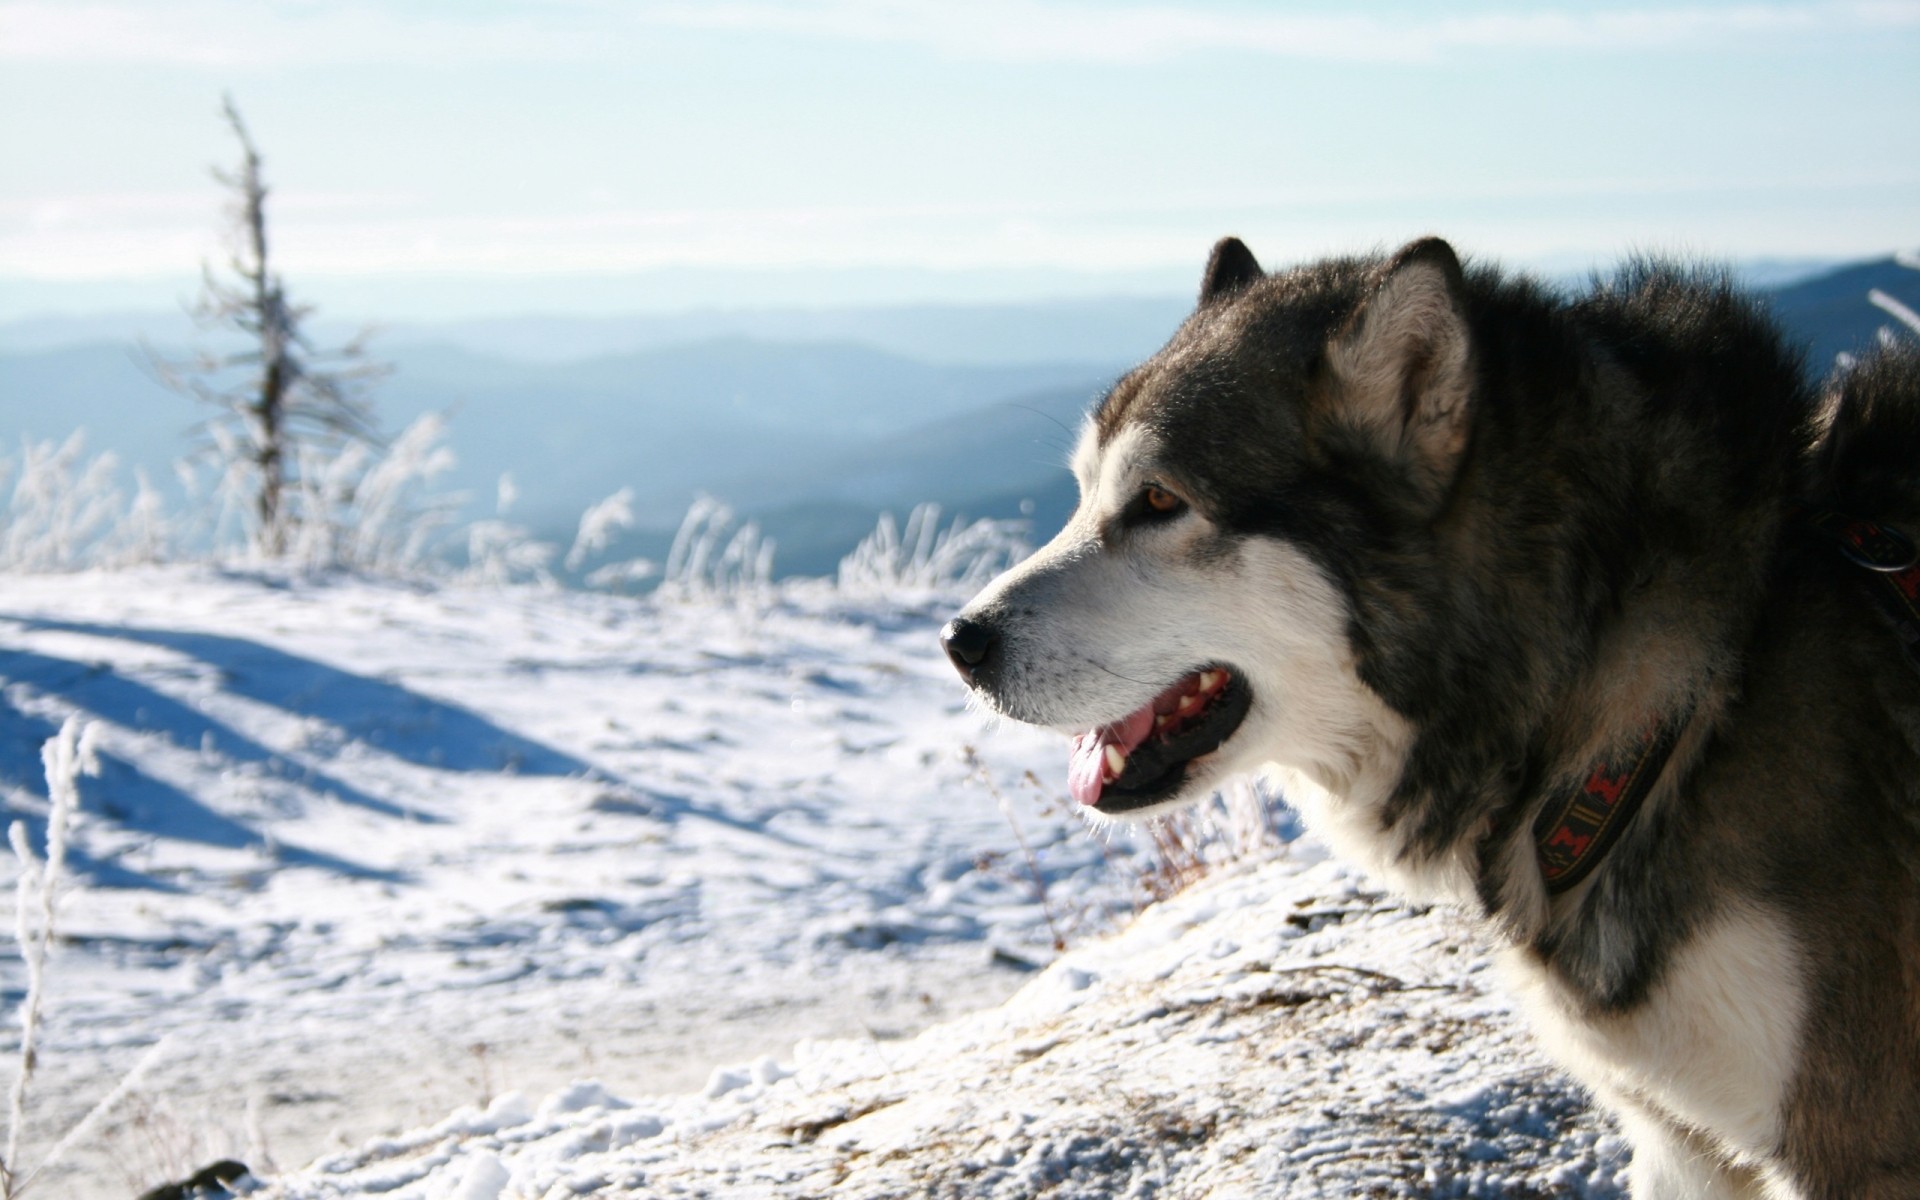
x=1404, y=359
x=1230, y=267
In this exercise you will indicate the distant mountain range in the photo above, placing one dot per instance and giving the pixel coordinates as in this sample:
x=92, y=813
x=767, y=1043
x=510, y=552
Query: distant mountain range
x=812, y=422
x=1829, y=313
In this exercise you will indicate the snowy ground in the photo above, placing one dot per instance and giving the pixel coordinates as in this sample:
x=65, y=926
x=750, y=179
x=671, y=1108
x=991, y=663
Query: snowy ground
x=1273, y=1031
x=363, y=853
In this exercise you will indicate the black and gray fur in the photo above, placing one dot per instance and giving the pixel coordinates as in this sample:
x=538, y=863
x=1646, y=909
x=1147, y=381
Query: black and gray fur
x=1550, y=519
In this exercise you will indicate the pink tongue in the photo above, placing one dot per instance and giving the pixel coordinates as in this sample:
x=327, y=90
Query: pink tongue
x=1086, y=769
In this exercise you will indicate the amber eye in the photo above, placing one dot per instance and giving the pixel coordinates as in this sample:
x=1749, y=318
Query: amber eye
x=1160, y=500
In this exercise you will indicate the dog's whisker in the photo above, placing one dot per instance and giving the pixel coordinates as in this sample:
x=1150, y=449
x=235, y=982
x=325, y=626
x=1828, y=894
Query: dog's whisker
x=1097, y=665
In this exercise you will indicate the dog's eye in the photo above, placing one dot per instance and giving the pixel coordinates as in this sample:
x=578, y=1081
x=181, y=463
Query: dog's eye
x=1155, y=503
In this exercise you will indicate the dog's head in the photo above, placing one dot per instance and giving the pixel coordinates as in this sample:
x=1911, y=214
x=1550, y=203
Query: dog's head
x=1196, y=617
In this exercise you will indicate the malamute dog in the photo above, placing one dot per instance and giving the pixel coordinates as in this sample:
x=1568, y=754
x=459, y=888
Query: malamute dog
x=1584, y=612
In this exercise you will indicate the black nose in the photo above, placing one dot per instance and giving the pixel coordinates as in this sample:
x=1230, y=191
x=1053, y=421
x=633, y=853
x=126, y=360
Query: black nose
x=969, y=644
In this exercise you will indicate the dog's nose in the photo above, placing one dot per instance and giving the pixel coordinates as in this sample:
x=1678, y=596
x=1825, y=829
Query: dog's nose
x=969, y=644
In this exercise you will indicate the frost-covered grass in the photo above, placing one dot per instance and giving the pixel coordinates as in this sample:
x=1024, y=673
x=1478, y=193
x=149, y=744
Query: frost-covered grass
x=925, y=558
x=714, y=556
x=65, y=510
x=373, y=511
x=359, y=508
x=36, y=901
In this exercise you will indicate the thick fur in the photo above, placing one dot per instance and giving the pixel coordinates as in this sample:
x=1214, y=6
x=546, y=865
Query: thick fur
x=1463, y=537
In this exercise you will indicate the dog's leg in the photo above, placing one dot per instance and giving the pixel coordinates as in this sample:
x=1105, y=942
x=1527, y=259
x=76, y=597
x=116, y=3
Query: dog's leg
x=1670, y=1163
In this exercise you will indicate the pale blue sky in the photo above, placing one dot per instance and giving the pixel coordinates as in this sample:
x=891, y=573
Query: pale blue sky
x=1048, y=145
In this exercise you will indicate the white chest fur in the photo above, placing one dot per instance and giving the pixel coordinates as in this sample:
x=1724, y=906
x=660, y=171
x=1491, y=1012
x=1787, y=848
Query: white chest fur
x=1714, y=1046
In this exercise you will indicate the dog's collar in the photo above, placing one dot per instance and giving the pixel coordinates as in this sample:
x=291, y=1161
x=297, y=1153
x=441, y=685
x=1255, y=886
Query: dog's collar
x=1579, y=825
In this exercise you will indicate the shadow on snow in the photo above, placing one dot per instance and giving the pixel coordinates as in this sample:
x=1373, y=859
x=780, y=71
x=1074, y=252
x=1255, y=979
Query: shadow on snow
x=137, y=803
x=131, y=704
x=397, y=721
x=403, y=723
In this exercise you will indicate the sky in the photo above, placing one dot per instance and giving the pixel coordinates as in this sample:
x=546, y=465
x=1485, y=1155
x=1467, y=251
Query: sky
x=598, y=154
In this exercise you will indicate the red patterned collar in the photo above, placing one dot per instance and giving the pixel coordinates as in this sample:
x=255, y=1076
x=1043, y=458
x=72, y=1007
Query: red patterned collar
x=1577, y=827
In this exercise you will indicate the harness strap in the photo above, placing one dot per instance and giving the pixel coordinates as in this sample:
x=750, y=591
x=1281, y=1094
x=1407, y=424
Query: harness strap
x=1893, y=561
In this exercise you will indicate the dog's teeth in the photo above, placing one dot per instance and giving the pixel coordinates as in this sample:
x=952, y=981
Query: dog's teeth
x=1116, y=762
x=1208, y=679
x=1188, y=701
x=1160, y=722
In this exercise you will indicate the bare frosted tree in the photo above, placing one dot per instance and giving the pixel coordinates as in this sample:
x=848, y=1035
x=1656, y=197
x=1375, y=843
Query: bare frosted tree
x=284, y=403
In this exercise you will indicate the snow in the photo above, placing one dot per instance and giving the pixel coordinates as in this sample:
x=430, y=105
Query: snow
x=692, y=897
x=1279, y=1029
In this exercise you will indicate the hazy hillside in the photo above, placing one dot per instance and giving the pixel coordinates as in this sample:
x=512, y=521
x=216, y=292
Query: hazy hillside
x=1002, y=460
x=102, y=387
x=680, y=419
x=1117, y=328
x=1830, y=314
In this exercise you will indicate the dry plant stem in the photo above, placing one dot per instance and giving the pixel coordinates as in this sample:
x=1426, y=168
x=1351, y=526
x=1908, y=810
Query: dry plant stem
x=33, y=956
x=259, y=1150
x=1033, y=863
x=65, y=755
x=107, y=1103
x=1050, y=804
x=1179, y=858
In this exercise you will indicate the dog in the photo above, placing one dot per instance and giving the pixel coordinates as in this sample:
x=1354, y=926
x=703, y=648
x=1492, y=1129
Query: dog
x=1579, y=610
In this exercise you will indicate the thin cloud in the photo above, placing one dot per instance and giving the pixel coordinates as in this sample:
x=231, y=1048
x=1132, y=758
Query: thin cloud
x=106, y=209
x=344, y=234
x=1031, y=29
x=231, y=33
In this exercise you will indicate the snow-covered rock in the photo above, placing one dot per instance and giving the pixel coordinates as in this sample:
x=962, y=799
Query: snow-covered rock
x=1277, y=1030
